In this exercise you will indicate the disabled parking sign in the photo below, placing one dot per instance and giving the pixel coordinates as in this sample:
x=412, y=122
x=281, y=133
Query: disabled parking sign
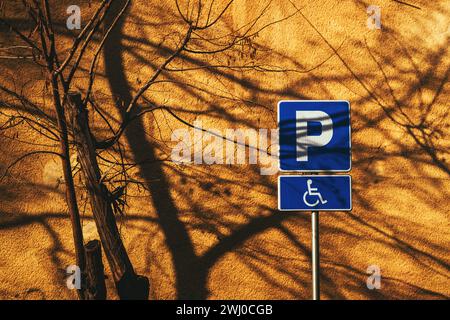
x=314, y=193
x=314, y=136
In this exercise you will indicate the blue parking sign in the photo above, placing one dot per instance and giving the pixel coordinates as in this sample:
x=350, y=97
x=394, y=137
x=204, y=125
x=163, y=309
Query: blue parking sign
x=314, y=135
x=314, y=193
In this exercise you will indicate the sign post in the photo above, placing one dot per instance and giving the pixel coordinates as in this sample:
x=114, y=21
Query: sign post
x=315, y=255
x=314, y=137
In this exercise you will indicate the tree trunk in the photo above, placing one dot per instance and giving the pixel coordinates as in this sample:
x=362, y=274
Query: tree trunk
x=129, y=285
x=95, y=274
x=71, y=198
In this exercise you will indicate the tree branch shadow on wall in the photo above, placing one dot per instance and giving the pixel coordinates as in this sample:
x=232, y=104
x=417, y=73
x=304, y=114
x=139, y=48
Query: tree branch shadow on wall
x=192, y=269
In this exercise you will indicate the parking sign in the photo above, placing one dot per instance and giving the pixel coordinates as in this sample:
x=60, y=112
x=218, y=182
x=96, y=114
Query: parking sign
x=314, y=135
x=309, y=193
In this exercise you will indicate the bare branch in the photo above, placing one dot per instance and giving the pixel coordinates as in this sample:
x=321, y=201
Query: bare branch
x=147, y=85
x=20, y=34
x=87, y=41
x=98, y=51
x=15, y=162
x=80, y=36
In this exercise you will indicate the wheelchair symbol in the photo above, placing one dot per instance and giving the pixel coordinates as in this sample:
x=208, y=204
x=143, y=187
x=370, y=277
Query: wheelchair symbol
x=313, y=192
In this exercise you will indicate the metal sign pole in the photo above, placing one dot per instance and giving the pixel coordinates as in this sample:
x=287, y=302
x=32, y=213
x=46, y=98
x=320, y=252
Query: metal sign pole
x=315, y=255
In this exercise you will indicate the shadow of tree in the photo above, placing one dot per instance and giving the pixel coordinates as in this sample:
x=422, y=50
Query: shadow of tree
x=404, y=133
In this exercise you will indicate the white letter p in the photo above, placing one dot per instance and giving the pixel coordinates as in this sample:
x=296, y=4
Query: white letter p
x=303, y=140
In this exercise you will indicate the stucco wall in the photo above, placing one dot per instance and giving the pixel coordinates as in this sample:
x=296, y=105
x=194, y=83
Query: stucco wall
x=213, y=230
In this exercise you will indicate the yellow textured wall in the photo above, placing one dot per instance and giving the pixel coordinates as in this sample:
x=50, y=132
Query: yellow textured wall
x=214, y=231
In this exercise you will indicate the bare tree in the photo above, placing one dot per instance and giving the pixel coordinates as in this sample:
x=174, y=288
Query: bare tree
x=67, y=123
x=60, y=73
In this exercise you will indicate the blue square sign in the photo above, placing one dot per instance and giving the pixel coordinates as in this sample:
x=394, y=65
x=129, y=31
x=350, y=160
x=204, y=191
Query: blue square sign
x=311, y=193
x=314, y=135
